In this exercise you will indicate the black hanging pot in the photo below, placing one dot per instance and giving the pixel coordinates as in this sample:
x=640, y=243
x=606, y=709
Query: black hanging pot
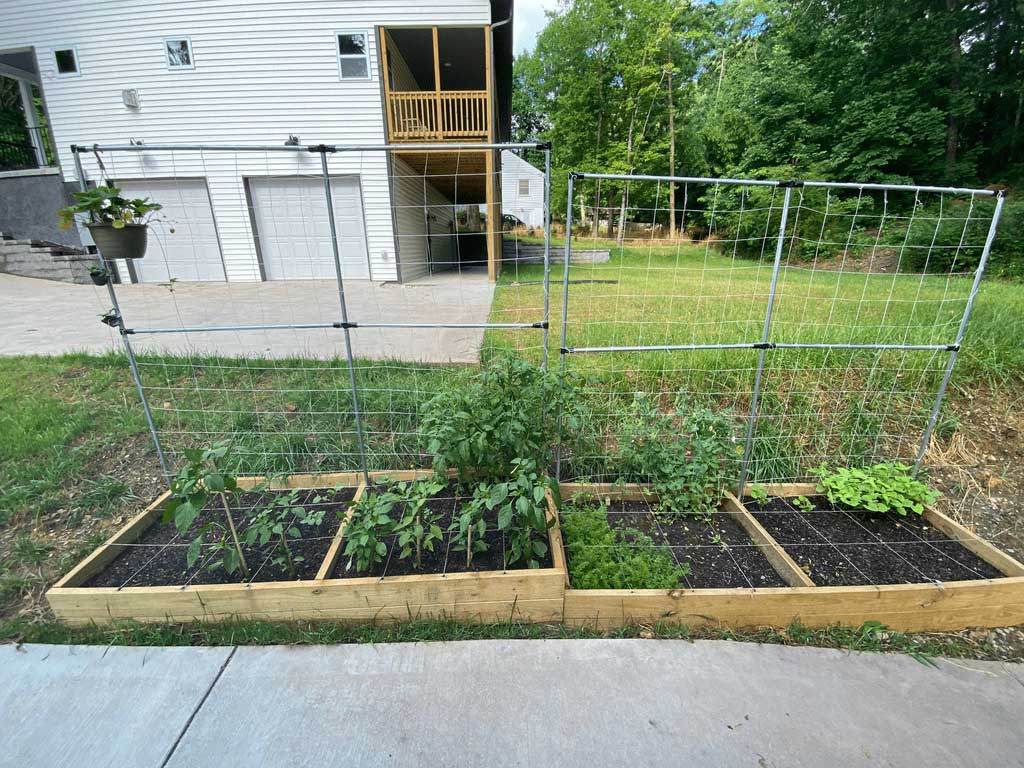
x=99, y=276
x=128, y=242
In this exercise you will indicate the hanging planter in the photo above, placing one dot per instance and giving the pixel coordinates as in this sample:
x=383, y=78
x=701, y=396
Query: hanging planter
x=125, y=242
x=99, y=275
x=118, y=226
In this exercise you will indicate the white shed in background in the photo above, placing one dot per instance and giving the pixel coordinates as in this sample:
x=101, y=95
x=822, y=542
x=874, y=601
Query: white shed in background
x=522, y=190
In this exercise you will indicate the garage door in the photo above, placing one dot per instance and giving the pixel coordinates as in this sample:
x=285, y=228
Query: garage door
x=293, y=231
x=192, y=251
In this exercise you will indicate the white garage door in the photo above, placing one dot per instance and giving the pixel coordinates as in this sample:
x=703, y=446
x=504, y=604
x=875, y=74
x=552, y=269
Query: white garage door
x=294, y=234
x=192, y=251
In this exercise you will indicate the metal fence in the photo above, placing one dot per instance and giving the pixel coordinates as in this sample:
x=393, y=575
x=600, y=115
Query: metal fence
x=826, y=317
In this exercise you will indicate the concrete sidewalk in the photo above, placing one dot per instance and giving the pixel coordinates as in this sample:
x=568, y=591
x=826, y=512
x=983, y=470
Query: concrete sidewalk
x=50, y=318
x=503, y=703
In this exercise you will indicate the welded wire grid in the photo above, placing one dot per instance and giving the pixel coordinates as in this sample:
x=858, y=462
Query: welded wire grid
x=823, y=318
x=259, y=358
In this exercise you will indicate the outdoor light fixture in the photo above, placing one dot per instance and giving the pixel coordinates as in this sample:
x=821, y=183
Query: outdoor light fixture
x=292, y=141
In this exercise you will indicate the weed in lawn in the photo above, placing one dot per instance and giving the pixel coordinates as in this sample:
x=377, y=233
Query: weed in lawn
x=101, y=496
x=26, y=550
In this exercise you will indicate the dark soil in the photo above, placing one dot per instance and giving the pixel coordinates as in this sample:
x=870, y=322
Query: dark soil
x=444, y=559
x=840, y=547
x=160, y=560
x=719, y=552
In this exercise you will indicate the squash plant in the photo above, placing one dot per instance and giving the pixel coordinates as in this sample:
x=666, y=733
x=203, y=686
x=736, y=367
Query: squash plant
x=880, y=488
x=202, y=479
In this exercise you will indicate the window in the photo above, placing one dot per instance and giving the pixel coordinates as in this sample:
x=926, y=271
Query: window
x=66, y=60
x=353, y=56
x=524, y=187
x=179, y=53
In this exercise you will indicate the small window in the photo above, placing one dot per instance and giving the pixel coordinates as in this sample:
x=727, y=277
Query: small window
x=524, y=187
x=67, y=61
x=179, y=53
x=353, y=56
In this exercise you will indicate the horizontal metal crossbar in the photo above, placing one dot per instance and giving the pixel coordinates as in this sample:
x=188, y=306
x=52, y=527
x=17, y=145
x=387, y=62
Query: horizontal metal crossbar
x=163, y=147
x=903, y=187
x=757, y=345
x=314, y=326
x=675, y=179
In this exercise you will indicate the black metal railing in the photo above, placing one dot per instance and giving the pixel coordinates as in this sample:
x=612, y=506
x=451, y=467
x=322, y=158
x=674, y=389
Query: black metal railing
x=23, y=148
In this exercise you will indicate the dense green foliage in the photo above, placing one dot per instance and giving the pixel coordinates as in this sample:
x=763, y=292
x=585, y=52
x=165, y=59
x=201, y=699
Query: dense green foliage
x=687, y=454
x=922, y=91
x=623, y=558
x=881, y=488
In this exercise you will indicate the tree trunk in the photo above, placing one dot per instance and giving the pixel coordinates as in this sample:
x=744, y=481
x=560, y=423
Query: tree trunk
x=952, y=125
x=671, y=162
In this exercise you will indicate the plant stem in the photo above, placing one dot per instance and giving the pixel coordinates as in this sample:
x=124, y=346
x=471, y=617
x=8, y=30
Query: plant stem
x=419, y=541
x=288, y=555
x=469, y=546
x=234, y=536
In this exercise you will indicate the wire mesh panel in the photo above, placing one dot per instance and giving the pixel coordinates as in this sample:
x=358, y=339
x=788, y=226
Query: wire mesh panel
x=305, y=302
x=822, y=320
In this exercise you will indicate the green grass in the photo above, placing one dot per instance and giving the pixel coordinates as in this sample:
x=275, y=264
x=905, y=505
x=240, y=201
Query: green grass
x=871, y=636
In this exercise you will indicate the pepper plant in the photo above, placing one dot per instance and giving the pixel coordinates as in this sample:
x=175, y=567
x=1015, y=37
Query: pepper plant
x=521, y=511
x=278, y=521
x=367, y=529
x=418, y=528
x=202, y=479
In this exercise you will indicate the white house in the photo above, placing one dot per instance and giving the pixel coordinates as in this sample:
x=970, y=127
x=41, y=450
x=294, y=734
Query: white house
x=240, y=72
x=522, y=190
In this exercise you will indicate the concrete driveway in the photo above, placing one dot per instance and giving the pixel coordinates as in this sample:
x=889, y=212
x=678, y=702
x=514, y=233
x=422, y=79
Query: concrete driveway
x=50, y=318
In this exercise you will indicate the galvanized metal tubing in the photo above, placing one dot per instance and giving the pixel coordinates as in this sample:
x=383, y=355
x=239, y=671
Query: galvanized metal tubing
x=765, y=343
x=129, y=353
x=344, y=324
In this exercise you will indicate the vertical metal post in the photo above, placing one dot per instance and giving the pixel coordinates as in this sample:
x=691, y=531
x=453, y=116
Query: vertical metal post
x=344, y=311
x=763, y=347
x=547, y=251
x=565, y=314
x=954, y=349
x=129, y=352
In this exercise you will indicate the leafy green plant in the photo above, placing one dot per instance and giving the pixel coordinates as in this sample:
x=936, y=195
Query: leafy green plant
x=366, y=530
x=758, y=494
x=803, y=504
x=487, y=419
x=687, y=454
x=469, y=528
x=522, y=512
x=203, y=477
x=623, y=558
x=278, y=521
x=882, y=488
x=418, y=528
x=105, y=205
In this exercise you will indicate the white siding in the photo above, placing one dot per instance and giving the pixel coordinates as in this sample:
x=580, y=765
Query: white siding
x=528, y=209
x=415, y=199
x=263, y=70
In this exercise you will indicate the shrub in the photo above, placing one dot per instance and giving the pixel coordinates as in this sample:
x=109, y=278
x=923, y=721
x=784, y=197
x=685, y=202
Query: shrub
x=488, y=419
x=687, y=454
x=625, y=558
x=886, y=487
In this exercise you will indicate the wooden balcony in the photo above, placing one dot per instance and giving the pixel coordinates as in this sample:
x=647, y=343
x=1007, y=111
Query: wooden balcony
x=438, y=116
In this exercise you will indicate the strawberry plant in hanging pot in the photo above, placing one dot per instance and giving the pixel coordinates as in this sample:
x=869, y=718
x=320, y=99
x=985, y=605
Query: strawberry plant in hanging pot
x=118, y=225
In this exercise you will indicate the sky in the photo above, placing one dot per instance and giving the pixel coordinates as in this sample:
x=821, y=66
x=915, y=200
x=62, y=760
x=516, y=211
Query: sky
x=528, y=22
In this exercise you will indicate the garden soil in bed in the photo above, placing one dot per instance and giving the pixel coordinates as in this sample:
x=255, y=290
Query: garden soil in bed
x=444, y=559
x=160, y=561
x=719, y=552
x=838, y=547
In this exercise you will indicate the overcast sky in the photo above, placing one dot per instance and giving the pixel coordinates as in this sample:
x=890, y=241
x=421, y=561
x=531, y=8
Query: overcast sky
x=529, y=21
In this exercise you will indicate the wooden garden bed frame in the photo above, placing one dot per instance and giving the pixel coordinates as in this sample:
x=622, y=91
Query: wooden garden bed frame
x=903, y=607
x=526, y=595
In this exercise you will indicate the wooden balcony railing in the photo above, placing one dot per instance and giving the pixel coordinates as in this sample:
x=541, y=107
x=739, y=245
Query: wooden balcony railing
x=436, y=116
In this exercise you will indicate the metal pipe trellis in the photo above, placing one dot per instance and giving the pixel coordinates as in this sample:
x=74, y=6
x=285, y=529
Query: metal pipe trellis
x=345, y=324
x=766, y=342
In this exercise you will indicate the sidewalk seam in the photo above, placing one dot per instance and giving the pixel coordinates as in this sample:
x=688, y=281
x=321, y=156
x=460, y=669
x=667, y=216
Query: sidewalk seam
x=195, y=711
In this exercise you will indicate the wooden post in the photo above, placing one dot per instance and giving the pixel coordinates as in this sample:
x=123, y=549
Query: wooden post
x=437, y=86
x=487, y=76
x=385, y=75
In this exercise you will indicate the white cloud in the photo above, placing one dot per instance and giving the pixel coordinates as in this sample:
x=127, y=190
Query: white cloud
x=528, y=22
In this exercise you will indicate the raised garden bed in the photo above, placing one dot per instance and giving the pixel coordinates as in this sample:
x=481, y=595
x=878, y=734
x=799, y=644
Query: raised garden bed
x=993, y=597
x=109, y=585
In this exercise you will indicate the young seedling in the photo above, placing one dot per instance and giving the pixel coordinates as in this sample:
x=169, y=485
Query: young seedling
x=279, y=521
x=759, y=494
x=417, y=529
x=803, y=504
x=201, y=478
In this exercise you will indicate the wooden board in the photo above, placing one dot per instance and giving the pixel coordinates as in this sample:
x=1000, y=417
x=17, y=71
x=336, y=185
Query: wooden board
x=520, y=595
x=780, y=560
